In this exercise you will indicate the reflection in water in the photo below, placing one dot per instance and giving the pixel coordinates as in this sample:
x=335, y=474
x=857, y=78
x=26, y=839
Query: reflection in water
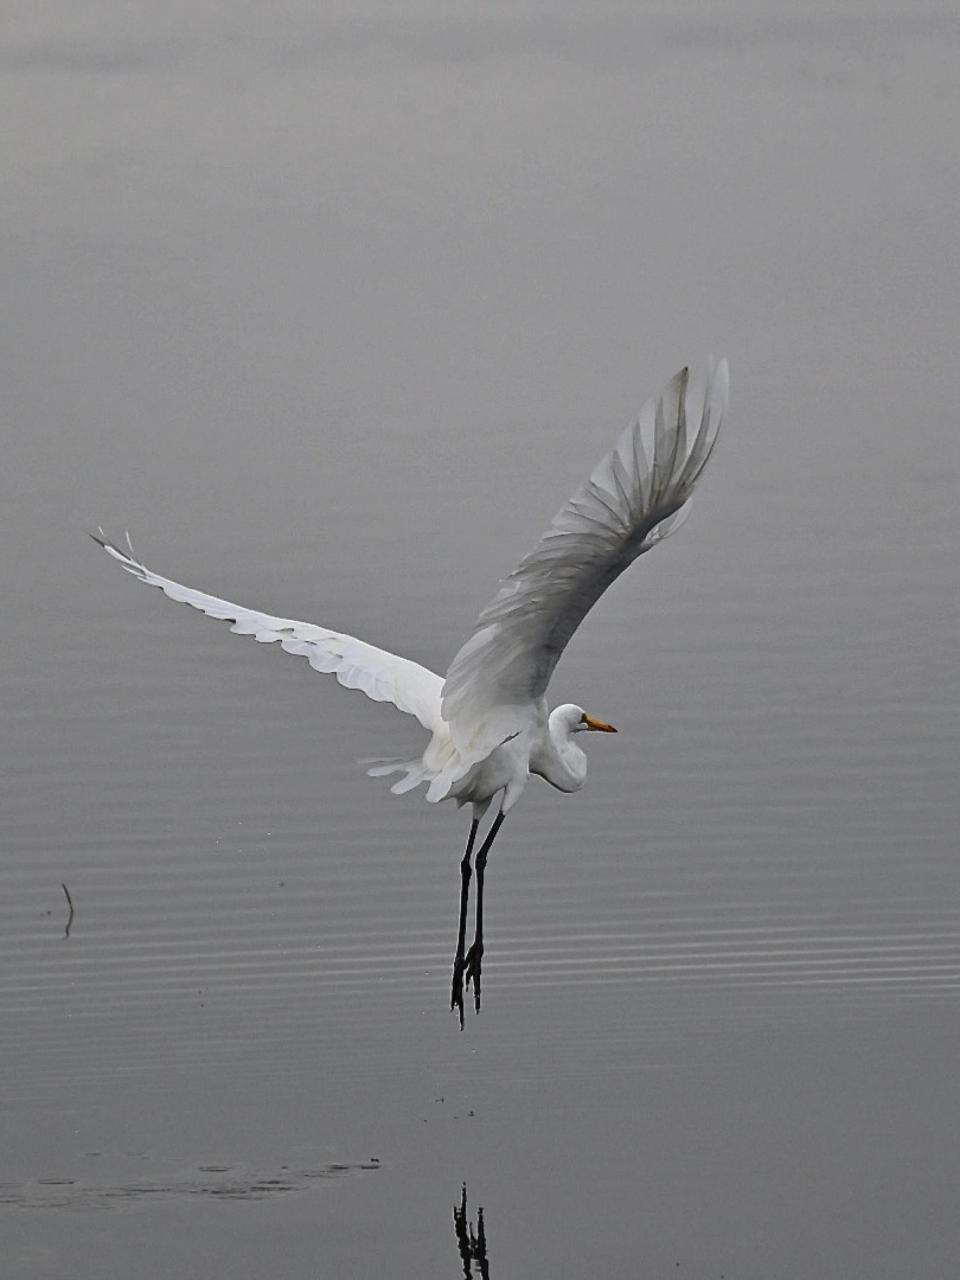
x=472, y=1244
x=205, y=1181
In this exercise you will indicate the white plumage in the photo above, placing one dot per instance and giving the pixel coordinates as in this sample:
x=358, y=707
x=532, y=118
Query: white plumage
x=382, y=676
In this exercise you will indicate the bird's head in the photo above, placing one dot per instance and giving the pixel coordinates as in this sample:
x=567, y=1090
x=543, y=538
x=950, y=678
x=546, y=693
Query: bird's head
x=576, y=720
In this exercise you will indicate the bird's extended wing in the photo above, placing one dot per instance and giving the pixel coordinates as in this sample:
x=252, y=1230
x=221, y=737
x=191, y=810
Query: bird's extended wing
x=382, y=676
x=629, y=504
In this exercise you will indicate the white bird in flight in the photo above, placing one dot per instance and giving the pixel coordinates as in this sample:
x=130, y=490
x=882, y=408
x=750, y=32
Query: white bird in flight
x=488, y=718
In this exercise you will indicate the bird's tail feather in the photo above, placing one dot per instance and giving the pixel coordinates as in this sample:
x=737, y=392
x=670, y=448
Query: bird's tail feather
x=415, y=770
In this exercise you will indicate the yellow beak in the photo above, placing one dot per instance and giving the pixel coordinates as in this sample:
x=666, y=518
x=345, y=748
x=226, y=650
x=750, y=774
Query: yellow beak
x=599, y=725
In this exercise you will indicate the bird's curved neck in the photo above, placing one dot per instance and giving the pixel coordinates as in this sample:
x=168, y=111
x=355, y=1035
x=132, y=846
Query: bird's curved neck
x=560, y=762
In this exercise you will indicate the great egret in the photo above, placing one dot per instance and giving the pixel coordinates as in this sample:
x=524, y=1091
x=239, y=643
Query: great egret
x=488, y=719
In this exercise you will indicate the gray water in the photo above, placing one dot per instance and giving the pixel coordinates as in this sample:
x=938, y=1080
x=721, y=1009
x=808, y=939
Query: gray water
x=333, y=308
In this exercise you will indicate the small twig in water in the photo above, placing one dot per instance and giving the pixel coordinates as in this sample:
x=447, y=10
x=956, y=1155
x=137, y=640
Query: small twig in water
x=66, y=891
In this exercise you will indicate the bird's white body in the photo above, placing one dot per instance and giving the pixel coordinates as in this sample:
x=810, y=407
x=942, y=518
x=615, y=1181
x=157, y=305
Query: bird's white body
x=546, y=749
x=505, y=769
x=488, y=719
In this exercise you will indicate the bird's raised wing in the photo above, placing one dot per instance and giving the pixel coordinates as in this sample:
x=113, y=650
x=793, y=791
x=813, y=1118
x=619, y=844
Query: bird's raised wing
x=630, y=503
x=382, y=676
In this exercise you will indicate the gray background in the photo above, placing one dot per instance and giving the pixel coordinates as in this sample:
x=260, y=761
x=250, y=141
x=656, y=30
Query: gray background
x=333, y=306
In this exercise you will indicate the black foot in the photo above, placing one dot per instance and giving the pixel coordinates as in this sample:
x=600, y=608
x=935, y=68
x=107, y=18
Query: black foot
x=472, y=967
x=456, y=988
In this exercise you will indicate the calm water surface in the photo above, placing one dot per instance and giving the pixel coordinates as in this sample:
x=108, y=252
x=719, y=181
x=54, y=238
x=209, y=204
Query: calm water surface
x=334, y=314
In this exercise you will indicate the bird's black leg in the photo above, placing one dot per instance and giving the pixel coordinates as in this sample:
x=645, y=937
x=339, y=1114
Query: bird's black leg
x=475, y=954
x=456, y=989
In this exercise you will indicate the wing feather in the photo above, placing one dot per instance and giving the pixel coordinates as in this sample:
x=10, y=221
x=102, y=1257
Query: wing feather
x=382, y=676
x=629, y=504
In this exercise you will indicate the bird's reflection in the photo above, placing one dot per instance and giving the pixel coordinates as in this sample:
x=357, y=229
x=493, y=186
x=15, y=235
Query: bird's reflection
x=472, y=1244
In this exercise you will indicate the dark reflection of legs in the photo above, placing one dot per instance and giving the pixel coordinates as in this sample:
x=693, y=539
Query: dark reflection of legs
x=456, y=988
x=475, y=954
x=472, y=1245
